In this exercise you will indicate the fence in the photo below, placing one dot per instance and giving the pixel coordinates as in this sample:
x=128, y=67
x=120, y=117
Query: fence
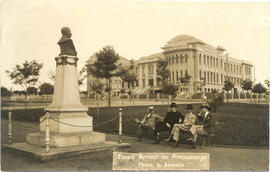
x=47, y=119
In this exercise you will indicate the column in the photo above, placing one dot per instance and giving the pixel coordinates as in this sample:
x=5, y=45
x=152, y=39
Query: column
x=140, y=77
x=155, y=74
x=146, y=76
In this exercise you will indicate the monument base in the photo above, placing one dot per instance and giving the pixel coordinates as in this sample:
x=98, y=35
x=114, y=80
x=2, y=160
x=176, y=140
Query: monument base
x=68, y=121
x=66, y=140
x=38, y=152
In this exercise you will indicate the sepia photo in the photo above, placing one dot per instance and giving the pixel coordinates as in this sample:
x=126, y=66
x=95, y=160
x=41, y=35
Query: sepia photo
x=104, y=85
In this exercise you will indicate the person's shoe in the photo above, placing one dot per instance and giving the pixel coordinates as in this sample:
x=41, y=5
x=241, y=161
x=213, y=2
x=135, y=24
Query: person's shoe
x=168, y=139
x=190, y=139
x=176, y=144
x=156, y=141
x=191, y=146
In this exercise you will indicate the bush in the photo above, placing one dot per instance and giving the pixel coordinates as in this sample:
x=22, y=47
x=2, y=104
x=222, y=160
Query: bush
x=218, y=99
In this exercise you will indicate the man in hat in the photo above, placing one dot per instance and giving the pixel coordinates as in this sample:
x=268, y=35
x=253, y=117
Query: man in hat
x=172, y=117
x=206, y=120
x=148, y=121
x=189, y=120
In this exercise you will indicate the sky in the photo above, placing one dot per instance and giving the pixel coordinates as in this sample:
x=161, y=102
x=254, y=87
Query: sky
x=30, y=29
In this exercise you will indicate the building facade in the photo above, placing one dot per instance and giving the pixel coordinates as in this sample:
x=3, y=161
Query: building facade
x=203, y=62
x=208, y=67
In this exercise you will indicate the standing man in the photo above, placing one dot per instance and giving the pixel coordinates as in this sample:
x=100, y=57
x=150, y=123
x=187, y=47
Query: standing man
x=148, y=121
x=189, y=120
x=173, y=117
x=206, y=120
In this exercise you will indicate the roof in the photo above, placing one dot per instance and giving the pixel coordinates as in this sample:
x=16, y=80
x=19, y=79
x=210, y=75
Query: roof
x=150, y=58
x=182, y=40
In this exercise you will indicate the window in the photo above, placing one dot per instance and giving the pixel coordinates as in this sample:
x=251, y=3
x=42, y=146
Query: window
x=172, y=59
x=200, y=59
x=186, y=58
x=200, y=75
x=176, y=59
x=221, y=78
x=172, y=77
x=217, y=78
x=217, y=62
x=177, y=77
x=181, y=73
x=181, y=58
x=211, y=61
x=204, y=59
x=221, y=63
x=150, y=69
x=207, y=60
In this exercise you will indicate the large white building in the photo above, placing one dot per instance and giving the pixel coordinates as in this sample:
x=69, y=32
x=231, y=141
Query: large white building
x=190, y=55
x=198, y=59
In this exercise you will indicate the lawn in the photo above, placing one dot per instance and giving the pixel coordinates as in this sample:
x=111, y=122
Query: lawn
x=240, y=124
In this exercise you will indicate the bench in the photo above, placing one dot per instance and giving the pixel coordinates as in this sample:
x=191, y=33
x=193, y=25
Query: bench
x=206, y=137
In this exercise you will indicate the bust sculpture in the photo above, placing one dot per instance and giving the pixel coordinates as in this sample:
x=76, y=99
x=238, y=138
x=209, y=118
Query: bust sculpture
x=66, y=44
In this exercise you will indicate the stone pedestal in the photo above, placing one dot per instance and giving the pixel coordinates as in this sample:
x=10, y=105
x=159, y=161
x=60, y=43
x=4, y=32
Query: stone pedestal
x=69, y=122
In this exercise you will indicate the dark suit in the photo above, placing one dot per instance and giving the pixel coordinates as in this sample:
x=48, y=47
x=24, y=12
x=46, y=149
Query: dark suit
x=207, y=121
x=171, y=118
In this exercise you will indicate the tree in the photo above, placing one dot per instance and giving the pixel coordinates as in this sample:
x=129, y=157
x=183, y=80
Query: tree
x=162, y=72
x=97, y=87
x=46, y=88
x=170, y=89
x=31, y=90
x=25, y=75
x=267, y=83
x=185, y=80
x=106, y=67
x=228, y=85
x=5, y=92
x=247, y=84
x=259, y=88
x=127, y=74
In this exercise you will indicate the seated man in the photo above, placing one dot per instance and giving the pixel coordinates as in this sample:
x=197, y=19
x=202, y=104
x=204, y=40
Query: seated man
x=149, y=121
x=189, y=120
x=171, y=118
x=206, y=119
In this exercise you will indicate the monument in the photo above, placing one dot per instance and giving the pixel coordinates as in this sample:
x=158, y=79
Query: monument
x=69, y=129
x=70, y=125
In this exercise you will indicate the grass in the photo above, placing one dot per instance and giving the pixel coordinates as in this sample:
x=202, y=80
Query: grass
x=240, y=124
